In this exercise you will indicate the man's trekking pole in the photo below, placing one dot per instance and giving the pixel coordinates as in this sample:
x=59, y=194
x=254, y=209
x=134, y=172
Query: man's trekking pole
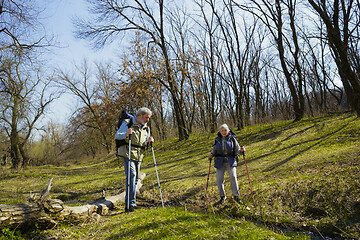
x=252, y=195
x=207, y=182
x=157, y=175
x=128, y=182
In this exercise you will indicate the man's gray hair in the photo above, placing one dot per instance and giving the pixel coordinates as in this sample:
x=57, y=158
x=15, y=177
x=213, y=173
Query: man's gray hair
x=225, y=126
x=143, y=110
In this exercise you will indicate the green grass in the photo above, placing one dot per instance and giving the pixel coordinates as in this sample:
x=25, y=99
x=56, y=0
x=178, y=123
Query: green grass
x=169, y=223
x=305, y=176
x=83, y=181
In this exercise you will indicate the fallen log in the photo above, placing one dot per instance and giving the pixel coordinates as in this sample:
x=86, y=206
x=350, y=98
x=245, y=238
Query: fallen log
x=26, y=215
x=44, y=212
x=103, y=206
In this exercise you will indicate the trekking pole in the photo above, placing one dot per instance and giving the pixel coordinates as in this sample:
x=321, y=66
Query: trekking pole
x=252, y=195
x=128, y=182
x=157, y=175
x=207, y=182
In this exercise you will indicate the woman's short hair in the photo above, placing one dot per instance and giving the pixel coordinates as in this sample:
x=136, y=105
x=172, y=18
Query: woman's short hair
x=143, y=110
x=225, y=126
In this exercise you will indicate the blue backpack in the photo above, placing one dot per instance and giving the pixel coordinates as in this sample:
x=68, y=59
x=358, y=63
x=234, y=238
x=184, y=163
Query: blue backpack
x=232, y=133
x=124, y=115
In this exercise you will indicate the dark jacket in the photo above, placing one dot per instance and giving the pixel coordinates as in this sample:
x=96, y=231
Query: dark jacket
x=225, y=149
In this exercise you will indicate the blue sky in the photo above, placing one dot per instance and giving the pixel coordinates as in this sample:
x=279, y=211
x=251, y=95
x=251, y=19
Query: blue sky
x=57, y=19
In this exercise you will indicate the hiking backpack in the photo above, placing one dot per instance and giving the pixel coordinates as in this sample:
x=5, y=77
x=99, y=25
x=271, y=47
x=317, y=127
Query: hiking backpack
x=124, y=115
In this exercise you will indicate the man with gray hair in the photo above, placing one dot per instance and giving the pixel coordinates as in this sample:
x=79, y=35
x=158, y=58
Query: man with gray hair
x=136, y=130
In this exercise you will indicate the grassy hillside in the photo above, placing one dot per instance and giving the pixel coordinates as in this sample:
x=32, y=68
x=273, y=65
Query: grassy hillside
x=305, y=177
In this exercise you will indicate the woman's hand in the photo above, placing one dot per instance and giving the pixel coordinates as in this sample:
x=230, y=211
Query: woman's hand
x=242, y=149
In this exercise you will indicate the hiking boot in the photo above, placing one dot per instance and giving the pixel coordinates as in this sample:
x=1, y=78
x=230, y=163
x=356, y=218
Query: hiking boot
x=221, y=201
x=130, y=209
x=237, y=199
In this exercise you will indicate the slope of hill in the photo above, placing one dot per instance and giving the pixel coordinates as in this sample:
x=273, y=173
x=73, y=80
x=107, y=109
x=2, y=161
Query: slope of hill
x=304, y=175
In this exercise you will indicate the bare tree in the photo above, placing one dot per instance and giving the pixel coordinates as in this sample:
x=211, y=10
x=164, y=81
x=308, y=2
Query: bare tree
x=272, y=15
x=238, y=55
x=342, y=22
x=321, y=75
x=115, y=17
x=207, y=42
x=15, y=16
x=50, y=148
x=231, y=62
x=140, y=74
x=187, y=66
x=256, y=79
x=86, y=89
x=82, y=139
x=24, y=99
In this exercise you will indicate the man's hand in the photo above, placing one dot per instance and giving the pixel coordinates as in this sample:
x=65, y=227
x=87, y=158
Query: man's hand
x=129, y=132
x=211, y=156
x=150, y=140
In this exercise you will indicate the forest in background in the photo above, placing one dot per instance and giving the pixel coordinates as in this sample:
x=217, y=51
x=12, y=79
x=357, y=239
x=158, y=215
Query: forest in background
x=195, y=64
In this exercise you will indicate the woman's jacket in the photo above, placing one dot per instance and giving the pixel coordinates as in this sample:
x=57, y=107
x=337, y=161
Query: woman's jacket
x=225, y=149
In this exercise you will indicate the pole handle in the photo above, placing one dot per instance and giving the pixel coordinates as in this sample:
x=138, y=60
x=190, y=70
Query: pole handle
x=243, y=152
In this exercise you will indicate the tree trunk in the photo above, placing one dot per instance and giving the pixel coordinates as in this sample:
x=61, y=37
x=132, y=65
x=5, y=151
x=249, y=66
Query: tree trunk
x=350, y=82
x=340, y=47
x=43, y=212
x=15, y=153
x=179, y=114
x=24, y=216
x=298, y=110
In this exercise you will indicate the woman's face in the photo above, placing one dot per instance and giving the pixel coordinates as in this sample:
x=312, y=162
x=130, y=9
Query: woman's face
x=224, y=132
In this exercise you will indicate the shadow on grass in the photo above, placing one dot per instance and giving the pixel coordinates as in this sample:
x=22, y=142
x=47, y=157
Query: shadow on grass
x=162, y=160
x=278, y=164
x=253, y=138
x=6, y=177
x=157, y=226
x=317, y=142
x=176, y=145
x=264, y=134
x=297, y=133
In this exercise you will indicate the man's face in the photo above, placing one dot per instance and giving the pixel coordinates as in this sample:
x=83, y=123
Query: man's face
x=143, y=118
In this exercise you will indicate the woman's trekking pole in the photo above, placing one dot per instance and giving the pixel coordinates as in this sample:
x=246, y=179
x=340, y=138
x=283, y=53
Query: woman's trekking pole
x=207, y=182
x=252, y=195
x=157, y=175
x=128, y=176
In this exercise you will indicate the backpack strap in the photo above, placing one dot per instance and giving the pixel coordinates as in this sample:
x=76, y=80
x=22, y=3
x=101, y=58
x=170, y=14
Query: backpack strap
x=234, y=144
x=232, y=138
x=130, y=123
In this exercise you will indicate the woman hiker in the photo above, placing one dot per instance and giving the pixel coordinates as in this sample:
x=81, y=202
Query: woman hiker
x=225, y=150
